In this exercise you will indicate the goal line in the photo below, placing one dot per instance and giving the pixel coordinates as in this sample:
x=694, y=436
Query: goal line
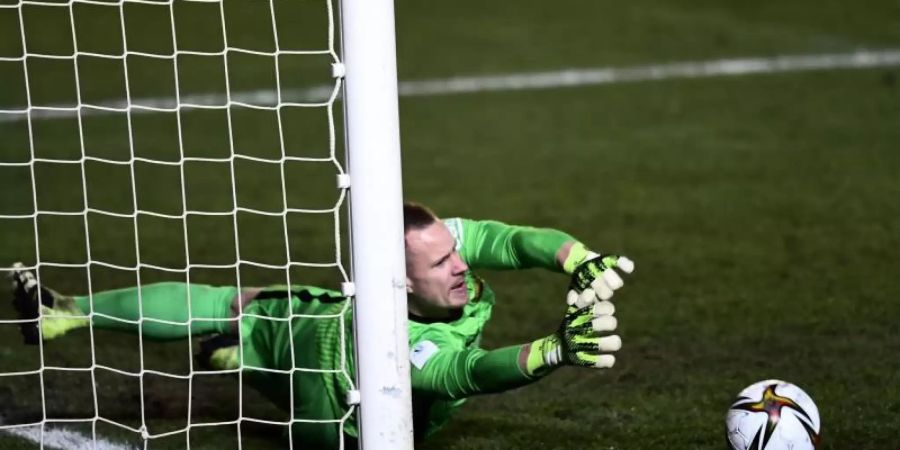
x=56, y=437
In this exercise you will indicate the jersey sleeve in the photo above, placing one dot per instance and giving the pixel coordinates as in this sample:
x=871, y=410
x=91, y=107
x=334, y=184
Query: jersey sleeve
x=488, y=244
x=442, y=371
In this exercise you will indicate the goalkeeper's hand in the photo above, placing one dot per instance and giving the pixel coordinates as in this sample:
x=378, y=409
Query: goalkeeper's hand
x=594, y=277
x=583, y=339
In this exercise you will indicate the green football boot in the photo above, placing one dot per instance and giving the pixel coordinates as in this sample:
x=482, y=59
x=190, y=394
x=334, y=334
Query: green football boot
x=219, y=352
x=55, y=313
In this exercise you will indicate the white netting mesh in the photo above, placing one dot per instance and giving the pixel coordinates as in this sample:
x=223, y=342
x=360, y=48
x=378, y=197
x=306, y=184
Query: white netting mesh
x=161, y=140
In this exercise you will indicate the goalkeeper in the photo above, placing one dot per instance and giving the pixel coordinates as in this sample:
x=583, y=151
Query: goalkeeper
x=448, y=304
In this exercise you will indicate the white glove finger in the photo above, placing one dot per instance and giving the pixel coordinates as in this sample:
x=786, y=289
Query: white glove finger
x=613, y=280
x=605, y=361
x=625, y=264
x=610, y=343
x=587, y=297
x=571, y=297
x=604, y=324
x=602, y=289
x=604, y=308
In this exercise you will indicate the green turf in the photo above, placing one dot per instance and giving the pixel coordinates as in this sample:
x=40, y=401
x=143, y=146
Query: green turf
x=760, y=210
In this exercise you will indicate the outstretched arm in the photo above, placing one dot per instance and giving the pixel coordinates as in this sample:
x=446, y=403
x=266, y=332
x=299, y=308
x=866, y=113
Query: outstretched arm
x=453, y=374
x=496, y=245
x=582, y=339
x=490, y=244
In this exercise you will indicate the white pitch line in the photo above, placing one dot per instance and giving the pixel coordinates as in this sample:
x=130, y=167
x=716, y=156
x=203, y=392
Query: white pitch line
x=861, y=59
x=59, y=438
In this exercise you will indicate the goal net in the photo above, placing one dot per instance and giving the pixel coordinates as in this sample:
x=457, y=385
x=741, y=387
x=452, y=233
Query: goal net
x=160, y=140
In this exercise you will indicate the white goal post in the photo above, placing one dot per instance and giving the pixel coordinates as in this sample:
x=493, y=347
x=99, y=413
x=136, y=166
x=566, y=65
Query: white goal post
x=373, y=140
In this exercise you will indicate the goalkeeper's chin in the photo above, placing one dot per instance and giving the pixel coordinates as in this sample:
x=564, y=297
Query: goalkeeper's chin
x=459, y=296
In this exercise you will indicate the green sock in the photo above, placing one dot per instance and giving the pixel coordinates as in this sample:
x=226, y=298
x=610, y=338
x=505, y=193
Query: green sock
x=163, y=301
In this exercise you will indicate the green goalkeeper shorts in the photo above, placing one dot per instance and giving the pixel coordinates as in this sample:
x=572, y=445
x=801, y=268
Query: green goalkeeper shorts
x=297, y=350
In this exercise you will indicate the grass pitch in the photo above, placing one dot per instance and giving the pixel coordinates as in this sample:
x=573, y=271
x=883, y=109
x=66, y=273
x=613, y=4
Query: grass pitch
x=760, y=211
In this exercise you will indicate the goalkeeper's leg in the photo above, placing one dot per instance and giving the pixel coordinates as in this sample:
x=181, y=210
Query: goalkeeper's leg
x=209, y=307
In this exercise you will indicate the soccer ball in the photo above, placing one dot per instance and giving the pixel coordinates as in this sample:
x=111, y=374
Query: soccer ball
x=772, y=415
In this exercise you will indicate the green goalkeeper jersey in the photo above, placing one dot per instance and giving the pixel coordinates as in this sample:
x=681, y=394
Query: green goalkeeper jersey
x=442, y=353
x=447, y=363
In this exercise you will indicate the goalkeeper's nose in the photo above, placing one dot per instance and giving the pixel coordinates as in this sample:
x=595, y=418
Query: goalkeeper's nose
x=459, y=266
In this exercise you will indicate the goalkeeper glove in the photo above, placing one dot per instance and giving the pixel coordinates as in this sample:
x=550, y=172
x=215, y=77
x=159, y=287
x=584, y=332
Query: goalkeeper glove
x=594, y=277
x=581, y=340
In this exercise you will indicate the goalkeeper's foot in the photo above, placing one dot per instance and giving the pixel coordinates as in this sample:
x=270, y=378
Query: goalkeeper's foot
x=55, y=313
x=220, y=352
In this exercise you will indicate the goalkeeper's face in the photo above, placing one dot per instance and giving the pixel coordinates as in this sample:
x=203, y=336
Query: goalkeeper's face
x=435, y=273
